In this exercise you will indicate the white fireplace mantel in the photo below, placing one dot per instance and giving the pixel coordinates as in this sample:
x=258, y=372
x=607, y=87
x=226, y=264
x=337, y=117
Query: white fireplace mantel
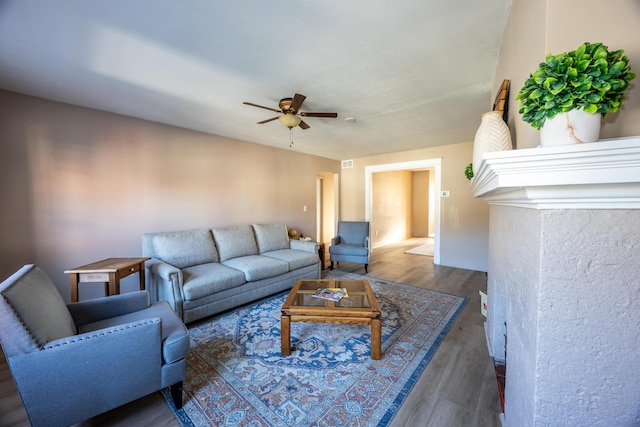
x=563, y=280
x=598, y=175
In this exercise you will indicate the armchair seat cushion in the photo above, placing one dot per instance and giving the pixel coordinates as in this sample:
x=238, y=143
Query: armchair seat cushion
x=201, y=280
x=175, y=337
x=348, y=249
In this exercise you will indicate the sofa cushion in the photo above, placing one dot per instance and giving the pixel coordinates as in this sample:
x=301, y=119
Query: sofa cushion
x=271, y=237
x=295, y=259
x=236, y=241
x=39, y=306
x=257, y=267
x=206, y=279
x=185, y=248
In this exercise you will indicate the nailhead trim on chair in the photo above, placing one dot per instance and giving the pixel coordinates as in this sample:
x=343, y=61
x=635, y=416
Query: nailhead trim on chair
x=26, y=328
x=107, y=332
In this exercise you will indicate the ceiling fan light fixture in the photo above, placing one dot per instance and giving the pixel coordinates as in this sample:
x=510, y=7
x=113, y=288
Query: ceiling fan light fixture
x=289, y=120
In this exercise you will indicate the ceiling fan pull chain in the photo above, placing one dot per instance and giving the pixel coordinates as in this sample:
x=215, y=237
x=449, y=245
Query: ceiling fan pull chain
x=290, y=137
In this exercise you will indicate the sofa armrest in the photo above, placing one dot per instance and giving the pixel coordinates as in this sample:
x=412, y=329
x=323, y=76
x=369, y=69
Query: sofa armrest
x=164, y=283
x=301, y=245
x=163, y=269
x=335, y=240
x=102, y=308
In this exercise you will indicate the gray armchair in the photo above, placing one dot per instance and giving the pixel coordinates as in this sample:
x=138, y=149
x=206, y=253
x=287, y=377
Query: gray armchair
x=351, y=244
x=72, y=362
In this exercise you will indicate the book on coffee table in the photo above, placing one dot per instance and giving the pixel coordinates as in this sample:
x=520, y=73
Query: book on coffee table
x=331, y=294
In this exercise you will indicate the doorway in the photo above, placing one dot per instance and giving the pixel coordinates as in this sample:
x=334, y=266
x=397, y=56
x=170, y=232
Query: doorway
x=326, y=206
x=434, y=166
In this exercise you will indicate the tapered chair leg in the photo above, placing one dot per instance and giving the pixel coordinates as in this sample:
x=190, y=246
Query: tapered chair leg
x=366, y=266
x=176, y=394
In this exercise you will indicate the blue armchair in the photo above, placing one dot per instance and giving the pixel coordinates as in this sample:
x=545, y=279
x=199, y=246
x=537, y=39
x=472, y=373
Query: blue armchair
x=72, y=362
x=351, y=244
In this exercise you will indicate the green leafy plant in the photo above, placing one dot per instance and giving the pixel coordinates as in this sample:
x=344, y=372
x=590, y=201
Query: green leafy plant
x=589, y=78
x=468, y=171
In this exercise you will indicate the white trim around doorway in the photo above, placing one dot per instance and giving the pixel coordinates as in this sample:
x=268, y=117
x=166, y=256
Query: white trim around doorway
x=434, y=164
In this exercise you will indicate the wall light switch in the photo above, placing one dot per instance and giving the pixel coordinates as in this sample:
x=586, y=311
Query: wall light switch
x=444, y=193
x=304, y=208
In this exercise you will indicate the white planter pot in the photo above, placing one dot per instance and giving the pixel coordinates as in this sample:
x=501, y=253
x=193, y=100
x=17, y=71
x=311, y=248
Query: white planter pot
x=573, y=127
x=492, y=135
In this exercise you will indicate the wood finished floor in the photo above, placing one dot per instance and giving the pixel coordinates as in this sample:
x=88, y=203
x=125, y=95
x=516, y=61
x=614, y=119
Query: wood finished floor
x=457, y=388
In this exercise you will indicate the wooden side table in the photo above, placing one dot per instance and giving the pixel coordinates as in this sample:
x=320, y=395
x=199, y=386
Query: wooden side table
x=108, y=271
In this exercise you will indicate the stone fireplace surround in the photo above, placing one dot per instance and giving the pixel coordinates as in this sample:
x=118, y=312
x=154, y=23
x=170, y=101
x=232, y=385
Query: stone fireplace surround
x=564, y=275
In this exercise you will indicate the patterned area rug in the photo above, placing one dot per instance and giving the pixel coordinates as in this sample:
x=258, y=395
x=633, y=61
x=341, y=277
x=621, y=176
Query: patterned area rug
x=236, y=375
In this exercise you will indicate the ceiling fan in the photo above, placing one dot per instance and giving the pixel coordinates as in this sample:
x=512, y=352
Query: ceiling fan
x=291, y=114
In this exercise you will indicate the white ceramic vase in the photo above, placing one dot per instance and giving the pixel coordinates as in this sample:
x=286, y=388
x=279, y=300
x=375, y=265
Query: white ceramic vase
x=572, y=127
x=492, y=135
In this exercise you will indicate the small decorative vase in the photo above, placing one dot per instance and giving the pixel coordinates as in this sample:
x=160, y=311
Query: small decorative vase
x=492, y=135
x=572, y=127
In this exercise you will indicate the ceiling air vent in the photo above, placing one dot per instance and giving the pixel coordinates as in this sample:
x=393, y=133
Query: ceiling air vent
x=347, y=164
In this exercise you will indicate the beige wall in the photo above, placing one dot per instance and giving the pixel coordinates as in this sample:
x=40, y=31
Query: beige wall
x=79, y=185
x=464, y=220
x=536, y=28
x=420, y=224
x=391, y=207
x=329, y=202
x=399, y=206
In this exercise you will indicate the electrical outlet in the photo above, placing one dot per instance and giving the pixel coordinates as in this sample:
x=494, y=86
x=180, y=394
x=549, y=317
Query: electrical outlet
x=304, y=208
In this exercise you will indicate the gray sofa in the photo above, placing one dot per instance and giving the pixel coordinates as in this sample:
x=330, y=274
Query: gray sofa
x=206, y=271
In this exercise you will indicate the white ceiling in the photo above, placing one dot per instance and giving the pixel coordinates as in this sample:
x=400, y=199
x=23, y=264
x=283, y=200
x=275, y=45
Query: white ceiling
x=412, y=73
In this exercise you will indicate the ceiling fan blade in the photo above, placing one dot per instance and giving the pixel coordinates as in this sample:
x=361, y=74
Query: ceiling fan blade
x=298, y=99
x=268, y=120
x=261, y=106
x=329, y=115
x=303, y=125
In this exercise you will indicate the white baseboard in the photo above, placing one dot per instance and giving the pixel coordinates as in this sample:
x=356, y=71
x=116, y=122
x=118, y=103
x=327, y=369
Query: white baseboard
x=486, y=335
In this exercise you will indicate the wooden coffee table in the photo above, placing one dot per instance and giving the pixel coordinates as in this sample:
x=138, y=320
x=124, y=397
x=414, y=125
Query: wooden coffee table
x=360, y=308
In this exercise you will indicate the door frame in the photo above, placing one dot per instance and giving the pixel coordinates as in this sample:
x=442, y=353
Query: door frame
x=435, y=164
